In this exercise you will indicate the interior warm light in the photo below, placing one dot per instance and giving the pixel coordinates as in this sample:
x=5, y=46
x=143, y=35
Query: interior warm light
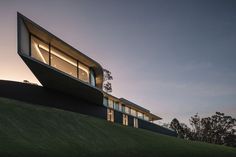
x=39, y=52
x=63, y=58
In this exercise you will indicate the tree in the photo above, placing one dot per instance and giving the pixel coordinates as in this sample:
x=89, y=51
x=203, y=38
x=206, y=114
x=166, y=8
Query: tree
x=107, y=87
x=181, y=129
x=217, y=129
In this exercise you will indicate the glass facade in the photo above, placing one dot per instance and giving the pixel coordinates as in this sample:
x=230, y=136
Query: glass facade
x=114, y=104
x=49, y=55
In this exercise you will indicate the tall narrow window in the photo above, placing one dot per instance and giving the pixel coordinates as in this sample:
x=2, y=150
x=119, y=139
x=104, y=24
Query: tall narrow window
x=105, y=101
x=39, y=50
x=133, y=112
x=63, y=62
x=125, y=119
x=127, y=110
x=83, y=73
x=110, y=103
x=116, y=106
x=135, y=122
x=110, y=115
x=123, y=108
x=92, y=78
x=146, y=117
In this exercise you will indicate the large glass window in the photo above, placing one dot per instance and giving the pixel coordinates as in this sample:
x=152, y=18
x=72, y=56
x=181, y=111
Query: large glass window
x=110, y=103
x=92, y=78
x=135, y=122
x=140, y=115
x=125, y=119
x=83, y=73
x=63, y=62
x=110, y=115
x=127, y=110
x=39, y=50
x=146, y=117
x=133, y=112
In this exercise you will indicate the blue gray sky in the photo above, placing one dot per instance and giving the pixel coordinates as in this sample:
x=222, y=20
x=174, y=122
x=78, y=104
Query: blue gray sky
x=175, y=58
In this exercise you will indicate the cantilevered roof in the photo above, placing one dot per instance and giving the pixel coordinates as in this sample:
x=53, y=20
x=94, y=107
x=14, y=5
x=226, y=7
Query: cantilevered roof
x=49, y=38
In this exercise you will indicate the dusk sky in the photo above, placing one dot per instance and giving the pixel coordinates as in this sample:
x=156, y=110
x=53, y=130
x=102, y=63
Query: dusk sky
x=175, y=58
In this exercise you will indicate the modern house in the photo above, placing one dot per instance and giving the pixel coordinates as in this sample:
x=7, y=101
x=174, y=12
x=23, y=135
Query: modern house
x=61, y=68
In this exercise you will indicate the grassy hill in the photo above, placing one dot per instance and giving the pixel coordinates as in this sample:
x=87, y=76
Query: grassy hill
x=31, y=130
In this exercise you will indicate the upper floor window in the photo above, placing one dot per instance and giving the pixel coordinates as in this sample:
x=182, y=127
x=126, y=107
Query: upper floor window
x=116, y=106
x=140, y=115
x=105, y=101
x=133, y=112
x=83, y=73
x=63, y=62
x=110, y=103
x=39, y=50
x=92, y=78
x=146, y=117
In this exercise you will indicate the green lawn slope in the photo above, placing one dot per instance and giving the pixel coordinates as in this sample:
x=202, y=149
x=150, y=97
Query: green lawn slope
x=31, y=130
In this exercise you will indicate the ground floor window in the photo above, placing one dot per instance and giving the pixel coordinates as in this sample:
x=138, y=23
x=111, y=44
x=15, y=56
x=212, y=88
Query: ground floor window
x=135, y=122
x=125, y=119
x=110, y=115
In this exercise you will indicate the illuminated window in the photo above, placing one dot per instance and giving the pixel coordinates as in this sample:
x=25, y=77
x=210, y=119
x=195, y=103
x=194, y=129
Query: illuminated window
x=140, y=115
x=83, y=73
x=63, y=62
x=133, y=112
x=146, y=117
x=39, y=50
x=110, y=103
x=125, y=119
x=110, y=115
x=127, y=110
x=135, y=122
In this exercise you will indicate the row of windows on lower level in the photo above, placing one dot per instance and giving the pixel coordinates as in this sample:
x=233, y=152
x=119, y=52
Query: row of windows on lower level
x=125, y=119
x=123, y=108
